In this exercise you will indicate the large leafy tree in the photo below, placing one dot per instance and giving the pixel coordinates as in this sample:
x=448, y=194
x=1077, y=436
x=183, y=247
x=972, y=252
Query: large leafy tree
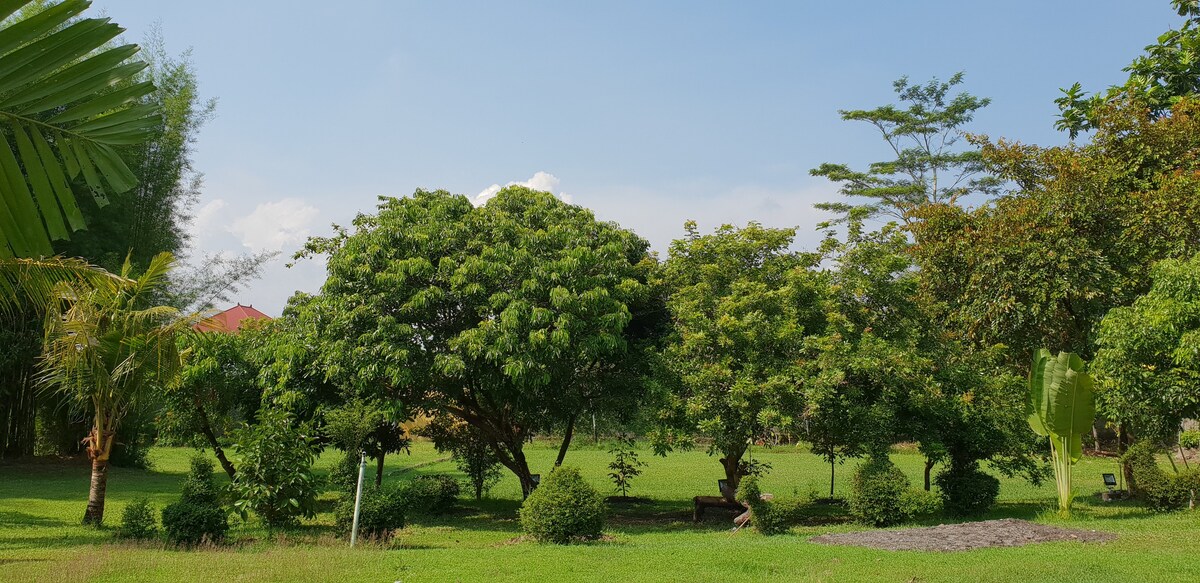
x=1168, y=71
x=741, y=304
x=1148, y=362
x=927, y=163
x=67, y=103
x=1075, y=238
x=516, y=316
x=106, y=350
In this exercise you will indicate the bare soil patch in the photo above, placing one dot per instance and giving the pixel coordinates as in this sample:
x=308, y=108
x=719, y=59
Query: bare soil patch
x=1007, y=532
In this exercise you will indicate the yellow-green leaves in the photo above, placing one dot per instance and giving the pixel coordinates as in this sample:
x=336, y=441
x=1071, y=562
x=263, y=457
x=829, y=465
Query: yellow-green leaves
x=65, y=105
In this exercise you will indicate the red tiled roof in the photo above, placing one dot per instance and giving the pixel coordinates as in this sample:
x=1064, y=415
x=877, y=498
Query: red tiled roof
x=230, y=320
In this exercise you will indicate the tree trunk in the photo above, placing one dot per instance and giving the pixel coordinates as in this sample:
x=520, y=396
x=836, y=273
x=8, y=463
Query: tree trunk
x=831, y=475
x=928, y=469
x=94, y=515
x=1095, y=439
x=733, y=477
x=379, y=469
x=211, y=436
x=566, y=442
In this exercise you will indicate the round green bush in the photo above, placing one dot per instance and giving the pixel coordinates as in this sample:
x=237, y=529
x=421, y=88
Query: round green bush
x=186, y=523
x=1160, y=491
x=382, y=512
x=877, y=492
x=919, y=503
x=137, y=521
x=967, y=491
x=563, y=508
x=431, y=494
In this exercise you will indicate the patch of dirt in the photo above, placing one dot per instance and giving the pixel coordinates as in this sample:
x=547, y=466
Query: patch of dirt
x=1007, y=532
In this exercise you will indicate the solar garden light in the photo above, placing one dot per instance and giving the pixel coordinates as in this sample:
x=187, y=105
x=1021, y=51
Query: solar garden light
x=362, y=469
x=1110, y=481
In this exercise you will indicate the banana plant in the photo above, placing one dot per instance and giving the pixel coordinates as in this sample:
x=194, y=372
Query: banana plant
x=68, y=101
x=1061, y=407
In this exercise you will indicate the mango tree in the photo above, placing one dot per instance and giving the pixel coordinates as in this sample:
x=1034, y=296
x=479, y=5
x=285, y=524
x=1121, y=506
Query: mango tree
x=1061, y=407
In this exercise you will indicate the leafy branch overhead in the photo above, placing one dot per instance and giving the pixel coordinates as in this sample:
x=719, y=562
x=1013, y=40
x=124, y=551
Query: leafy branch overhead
x=68, y=102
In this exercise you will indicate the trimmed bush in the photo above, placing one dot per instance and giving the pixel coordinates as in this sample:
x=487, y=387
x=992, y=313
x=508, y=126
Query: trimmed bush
x=382, y=512
x=1160, y=490
x=563, y=507
x=1190, y=439
x=343, y=477
x=967, y=491
x=198, y=516
x=877, y=493
x=769, y=517
x=431, y=494
x=137, y=521
x=919, y=504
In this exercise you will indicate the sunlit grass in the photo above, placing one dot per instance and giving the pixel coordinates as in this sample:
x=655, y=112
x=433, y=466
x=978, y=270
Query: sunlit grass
x=41, y=539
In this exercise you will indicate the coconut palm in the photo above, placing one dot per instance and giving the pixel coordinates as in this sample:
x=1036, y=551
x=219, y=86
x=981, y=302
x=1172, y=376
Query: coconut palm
x=105, y=348
x=34, y=282
x=68, y=100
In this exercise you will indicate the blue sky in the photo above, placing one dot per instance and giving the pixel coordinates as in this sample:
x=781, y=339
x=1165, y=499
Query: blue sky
x=649, y=113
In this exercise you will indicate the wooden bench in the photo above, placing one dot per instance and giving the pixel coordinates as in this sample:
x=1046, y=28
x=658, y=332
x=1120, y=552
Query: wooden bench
x=703, y=503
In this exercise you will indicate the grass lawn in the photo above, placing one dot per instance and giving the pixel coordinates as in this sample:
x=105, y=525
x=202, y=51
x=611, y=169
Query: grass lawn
x=41, y=539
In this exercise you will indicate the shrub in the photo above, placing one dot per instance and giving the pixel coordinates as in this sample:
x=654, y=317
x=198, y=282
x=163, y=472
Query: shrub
x=471, y=451
x=381, y=513
x=967, y=490
x=343, y=477
x=197, y=516
x=920, y=503
x=1160, y=491
x=274, y=478
x=137, y=521
x=877, y=492
x=562, y=508
x=1190, y=439
x=769, y=517
x=190, y=524
x=431, y=494
x=625, y=465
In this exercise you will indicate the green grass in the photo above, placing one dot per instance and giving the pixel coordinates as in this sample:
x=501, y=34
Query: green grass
x=41, y=538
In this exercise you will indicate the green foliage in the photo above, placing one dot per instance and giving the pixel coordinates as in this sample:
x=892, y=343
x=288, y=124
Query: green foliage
x=1190, y=439
x=274, y=478
x=381, y=513
x=625, y=465
x=917, y=503
x=563, y=508
x=1158, y=79
x=741, y=303
x=1160, y=491
x=514, y=316
x=878, y=492
x=431, y=494
x=1061, y=407
x=198, y=516
x=1148, y=363
x=137, y=520
x=70, y=103
x=769, y=517
x=472, y=453
x=967, y=490
x=343, y=477
x=928, y=168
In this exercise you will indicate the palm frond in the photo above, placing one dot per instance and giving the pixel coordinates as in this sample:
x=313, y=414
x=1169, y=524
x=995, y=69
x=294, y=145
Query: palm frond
x=36, y=282
x=64, y=105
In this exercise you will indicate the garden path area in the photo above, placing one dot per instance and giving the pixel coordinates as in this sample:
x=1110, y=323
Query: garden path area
x=1004, y=532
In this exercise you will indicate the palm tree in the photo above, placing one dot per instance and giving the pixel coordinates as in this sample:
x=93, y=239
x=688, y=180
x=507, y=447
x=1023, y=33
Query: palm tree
x=105, y=348
x=68, y=99
x=34, y=282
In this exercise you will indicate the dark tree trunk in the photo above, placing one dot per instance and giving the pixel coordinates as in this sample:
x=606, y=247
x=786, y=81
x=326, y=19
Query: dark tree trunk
x=566, y=442
x=928, y=469
x=379, y=469
x=211, y=436
x=733, y=475
x=831, y=475
x=94, y=515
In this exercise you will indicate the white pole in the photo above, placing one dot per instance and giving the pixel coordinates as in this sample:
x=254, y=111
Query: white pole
x=362, y=469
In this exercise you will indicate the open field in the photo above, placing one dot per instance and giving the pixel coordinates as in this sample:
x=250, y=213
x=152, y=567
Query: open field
x=41, y=539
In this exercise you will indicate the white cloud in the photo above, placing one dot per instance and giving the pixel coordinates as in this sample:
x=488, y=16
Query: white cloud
x=275, y=225
x=204, y=217
x=540, y=181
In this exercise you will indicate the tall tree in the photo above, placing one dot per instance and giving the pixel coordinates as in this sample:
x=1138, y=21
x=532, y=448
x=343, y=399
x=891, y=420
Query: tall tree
x=741, y=303
x=510, y=316
x=1168, y=71
x=927, y=166
x=106, y=350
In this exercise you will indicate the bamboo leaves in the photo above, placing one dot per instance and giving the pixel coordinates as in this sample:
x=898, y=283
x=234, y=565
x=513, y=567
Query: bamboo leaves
x=66, y=102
